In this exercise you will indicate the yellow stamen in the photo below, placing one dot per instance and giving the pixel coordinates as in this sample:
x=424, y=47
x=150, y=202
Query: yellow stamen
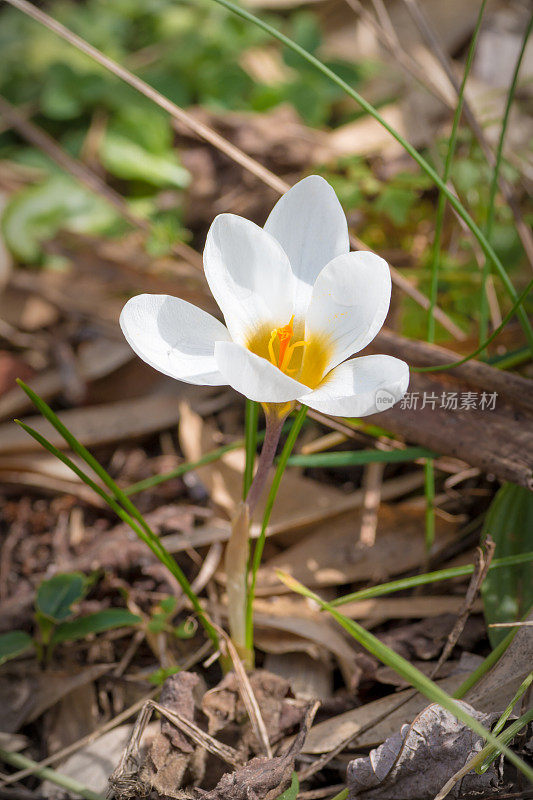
x=283, y=335
x=305, y=360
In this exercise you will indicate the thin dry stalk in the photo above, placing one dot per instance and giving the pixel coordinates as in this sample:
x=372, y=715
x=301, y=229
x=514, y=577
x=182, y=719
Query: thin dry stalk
x=434, y=43
x=218, y=141
x=481, y=567
x=392, y=44
x=209, y=743
x=372, y=483
x=248, y=697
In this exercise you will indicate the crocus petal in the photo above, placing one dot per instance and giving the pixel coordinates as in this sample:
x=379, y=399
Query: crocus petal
x=249, y=275
x=255, y=377
x=309, y=223
x=361, y=386
x=349, y=303
x=174, y=337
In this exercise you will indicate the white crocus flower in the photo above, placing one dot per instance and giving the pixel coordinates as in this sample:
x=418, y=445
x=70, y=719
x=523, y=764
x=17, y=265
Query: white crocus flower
x=296, y=304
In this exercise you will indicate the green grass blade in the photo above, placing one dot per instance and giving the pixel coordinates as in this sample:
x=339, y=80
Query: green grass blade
x=486, y=343
x=250, y=435
x=484, y=311
x=429, y=577
x=85, y=454
x=420, y=160
x=144, y=532
x=490, y=753
x=258, y=550
x=208, y=458
x=347, y=458
x=341, y=795
x=72, y=786
x=524, y=686
x=486, y=665
x=445, y=177
x=429, y=491
x=402, y=667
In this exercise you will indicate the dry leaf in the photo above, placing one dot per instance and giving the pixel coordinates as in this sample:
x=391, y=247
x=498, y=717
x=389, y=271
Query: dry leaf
x=417, y=761
x=331, y=554
x=328, y=735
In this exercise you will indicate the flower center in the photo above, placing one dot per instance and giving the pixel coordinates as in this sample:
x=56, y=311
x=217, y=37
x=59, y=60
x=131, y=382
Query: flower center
x=283, y=336
x=304, y=360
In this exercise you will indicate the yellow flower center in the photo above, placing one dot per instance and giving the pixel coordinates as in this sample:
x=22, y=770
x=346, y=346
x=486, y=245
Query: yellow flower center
x=283, y=336
x=304, y=360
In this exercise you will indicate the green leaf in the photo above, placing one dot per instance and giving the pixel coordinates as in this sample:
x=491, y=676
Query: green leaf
x=160, y=675
x=508, y=592
x=56, y=596
x=292, y=792
x=33, y=215
x=346, y=458
x=14, y=643
x=127, y=159
x=94, y=623
x=185, y=630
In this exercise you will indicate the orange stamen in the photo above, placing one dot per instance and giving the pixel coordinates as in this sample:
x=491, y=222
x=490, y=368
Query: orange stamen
x=286, y=349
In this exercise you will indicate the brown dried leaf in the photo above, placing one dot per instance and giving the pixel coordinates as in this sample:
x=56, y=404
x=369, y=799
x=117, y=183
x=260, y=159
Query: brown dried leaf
x=173, y=759
x=387, y=712
x=331, y=555
x=263, y=778
x=224, y=706
x=417, y=761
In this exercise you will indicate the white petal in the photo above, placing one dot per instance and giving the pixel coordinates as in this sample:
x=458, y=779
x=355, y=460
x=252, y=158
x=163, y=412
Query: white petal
x=349, y=303
x=174, y=337
x=249, y=275
x=255, y=377
x=309, y=223
x=361, y=386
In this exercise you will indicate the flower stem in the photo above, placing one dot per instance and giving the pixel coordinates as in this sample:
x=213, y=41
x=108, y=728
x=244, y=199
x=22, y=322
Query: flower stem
x=258, y=551
x=274, y=424
x=237, y=550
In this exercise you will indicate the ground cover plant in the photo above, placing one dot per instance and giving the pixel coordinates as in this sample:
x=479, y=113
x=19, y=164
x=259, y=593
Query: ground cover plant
x=313, y=488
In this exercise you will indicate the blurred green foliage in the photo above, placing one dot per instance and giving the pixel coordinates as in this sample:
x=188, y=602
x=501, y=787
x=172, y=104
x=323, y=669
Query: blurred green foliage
x=191, y=52
x=197, y=54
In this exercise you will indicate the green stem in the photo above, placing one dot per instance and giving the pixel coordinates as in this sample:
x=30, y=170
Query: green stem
x=486, y=665
x=429, y=486
x=483, y=324
x=258, y=550
x=250, y=433
x=45, y=773
x=420, y=160
x=341, y=795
